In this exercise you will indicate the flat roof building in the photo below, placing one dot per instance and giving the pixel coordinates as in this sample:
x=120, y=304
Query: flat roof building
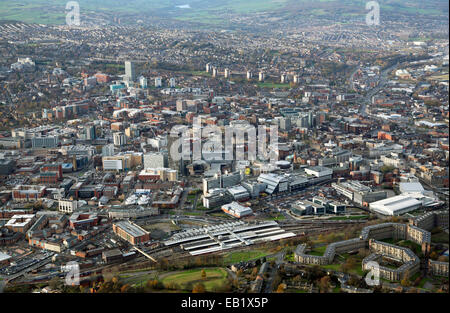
x=131, y=232
x=395, y=205
x=236, y=210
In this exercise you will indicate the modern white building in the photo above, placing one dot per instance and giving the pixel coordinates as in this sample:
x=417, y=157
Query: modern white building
x=172, y=82
x=45, y=142
x=319, y=171
x=236, y=210
x=158, y=82
x=239, y=193
x=261, y=76
x=112, y=165
x=156, y=160
x=119, y=139
x=275, y=183
x=143, y=82
x=67, y=206
x=411, y=187
x=108, y=150
x=129, y=71
x=396, y=205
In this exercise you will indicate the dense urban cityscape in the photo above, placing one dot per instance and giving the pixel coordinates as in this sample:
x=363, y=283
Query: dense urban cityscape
x=268, y=150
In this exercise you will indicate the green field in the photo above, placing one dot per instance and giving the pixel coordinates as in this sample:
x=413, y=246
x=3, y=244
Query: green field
x=289, y=257
x=215, y=277
x=319, y=251
x=239, y=256
x=206, y=12
x=354, y=217
x=441, y=237
x=333, y=267
x=273, y=85
x=279, y=217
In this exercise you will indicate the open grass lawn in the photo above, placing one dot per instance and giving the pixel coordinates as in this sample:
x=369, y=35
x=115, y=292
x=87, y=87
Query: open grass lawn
x=355, y=217
x=333, y=267
x=441, y=237
x=414, y=277
x=337, y=289
x=136, y=280
x=422, y=282
x=279, y=217
x=215, y=277
x=221, y=214
x=318, y=250
x=272, y=85
x=238, y=256
x=193, y=213
x=289, y=257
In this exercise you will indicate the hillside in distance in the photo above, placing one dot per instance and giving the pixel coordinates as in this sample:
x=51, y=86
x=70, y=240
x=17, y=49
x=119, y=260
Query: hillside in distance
x=213, y=12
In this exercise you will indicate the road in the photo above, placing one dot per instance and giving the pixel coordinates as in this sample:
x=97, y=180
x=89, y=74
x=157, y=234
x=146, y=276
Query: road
x=383, y=81
x=273, y=272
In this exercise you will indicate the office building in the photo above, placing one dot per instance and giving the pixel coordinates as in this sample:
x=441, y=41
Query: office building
x=172, y=83
x=129, y=71
x=131, y=232
x=236, y=210
x=143, y=82
x=261, y=76
x=119, y=139
x=44, y=142
x=158, y=82
x=90, y=132
x=108, y=150
x=67, y=206
x=156, y=160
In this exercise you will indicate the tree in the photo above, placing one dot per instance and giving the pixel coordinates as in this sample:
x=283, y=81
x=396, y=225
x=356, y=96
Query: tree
x=203, y=274
x=199, y=288
x=324, y=284
x=155, y=284
x=54, y=283
x=405, y=281
x=281, y=288
x=125, y=288
x=434, y=255
x=172, y=286
x=254, y=272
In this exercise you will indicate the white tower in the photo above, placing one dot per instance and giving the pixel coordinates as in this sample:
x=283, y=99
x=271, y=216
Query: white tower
x=143, y=82
x=227, y=73
x=261, y=76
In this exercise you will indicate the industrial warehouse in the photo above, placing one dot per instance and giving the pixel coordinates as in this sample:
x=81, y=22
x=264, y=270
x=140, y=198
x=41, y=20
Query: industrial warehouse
x=226, y=236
